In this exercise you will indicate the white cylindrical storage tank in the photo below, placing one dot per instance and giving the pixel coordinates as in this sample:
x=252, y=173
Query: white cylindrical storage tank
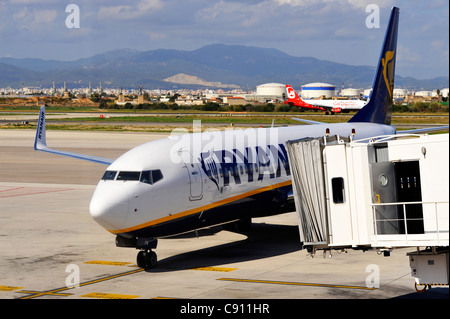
x=400, y=92
x=423, y=93
x=316, y=90
x=444, y=92
x=350, y=92
x=271, y=89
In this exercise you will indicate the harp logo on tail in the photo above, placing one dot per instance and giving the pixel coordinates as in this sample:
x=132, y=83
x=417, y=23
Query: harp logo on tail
x=388, y=72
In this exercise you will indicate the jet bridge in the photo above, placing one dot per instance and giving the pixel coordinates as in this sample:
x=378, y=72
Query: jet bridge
x=380, y=193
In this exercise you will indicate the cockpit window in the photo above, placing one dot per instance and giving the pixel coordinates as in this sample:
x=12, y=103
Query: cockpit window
x=109, y=175
x=148, y=177
x=128, y=176
x=151, y=177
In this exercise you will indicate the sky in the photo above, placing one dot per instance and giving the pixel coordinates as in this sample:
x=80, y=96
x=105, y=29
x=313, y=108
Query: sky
x=334, y=30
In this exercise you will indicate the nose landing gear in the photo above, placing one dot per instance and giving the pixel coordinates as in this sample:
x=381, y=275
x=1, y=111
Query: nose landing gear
x=147, y=259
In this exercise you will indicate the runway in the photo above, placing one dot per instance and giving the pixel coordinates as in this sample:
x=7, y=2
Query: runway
x=50, y=247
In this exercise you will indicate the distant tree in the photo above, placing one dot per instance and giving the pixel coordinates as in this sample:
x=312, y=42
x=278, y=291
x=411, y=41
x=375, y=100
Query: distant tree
x=174, y=97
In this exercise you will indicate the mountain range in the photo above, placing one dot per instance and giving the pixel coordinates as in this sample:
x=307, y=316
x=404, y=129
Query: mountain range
x=216, y=65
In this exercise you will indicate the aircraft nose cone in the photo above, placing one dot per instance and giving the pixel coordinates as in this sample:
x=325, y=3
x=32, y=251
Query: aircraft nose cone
x=109, y=205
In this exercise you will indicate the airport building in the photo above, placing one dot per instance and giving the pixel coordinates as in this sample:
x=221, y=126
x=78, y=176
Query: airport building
x=317, y=90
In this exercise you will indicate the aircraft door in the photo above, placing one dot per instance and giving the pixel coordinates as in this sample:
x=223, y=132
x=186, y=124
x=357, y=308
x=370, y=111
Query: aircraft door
x=398, y=182
x=409, y=190
x=388, y=218
x=195, y=176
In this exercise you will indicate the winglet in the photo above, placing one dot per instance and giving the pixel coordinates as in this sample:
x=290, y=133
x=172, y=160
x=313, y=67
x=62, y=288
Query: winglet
x=40, y=144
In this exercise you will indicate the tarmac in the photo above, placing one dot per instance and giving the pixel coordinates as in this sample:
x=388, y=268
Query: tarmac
x=50, y=247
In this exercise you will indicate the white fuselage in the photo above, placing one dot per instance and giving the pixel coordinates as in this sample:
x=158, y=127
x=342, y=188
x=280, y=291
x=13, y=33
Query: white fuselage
x=193, y=174
x=342, y=104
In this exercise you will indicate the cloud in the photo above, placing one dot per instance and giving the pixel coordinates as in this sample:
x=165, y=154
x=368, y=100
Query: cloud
x=33, y=19
x=36, y=2
x=362, y=4
x=45, y=16
x=327, y=29
x=127, y=12
x=407, y=55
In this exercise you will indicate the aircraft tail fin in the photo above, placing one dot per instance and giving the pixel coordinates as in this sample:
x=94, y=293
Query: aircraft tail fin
x=379, y=108
x=40, y=144
x=294, y=99
x=292, y=96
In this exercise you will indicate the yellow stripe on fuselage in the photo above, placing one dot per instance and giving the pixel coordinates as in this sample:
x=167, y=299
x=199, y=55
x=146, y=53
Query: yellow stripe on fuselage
x=202, y=208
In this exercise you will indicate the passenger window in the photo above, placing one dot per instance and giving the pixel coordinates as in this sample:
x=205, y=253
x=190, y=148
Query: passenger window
x=109, y=175
x=128, y=176
x=337, y=185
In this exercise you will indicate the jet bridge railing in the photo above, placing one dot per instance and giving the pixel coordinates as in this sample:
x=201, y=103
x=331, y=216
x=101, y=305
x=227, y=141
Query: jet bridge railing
x=430, y=229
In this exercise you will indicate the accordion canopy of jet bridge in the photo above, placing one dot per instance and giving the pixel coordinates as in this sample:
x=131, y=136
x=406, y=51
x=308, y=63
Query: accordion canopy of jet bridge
x=308, y=183
x=386, y=192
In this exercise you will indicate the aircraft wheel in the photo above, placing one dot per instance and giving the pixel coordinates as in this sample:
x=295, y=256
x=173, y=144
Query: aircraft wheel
x=146, y=259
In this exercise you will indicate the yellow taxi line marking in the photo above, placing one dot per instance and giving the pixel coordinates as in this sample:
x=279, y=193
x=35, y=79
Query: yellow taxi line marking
x=35, y=294
x=295, y=283
x=9, y=288
x=105, y=262
x=100, y=295
x=220, y=269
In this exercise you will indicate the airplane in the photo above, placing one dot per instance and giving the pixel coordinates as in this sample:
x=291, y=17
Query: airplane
x=329, y=106
x=187, y=182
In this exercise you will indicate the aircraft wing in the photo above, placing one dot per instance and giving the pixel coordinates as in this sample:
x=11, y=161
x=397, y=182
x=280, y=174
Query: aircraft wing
x=306, y=121
x=40, y=144
x=424, y=130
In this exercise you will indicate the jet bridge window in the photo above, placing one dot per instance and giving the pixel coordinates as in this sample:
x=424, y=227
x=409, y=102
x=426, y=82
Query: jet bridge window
x=337, y=185
x=151, y=177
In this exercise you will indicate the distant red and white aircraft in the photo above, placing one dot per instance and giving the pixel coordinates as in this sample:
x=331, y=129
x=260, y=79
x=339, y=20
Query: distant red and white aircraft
x=329, y=106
